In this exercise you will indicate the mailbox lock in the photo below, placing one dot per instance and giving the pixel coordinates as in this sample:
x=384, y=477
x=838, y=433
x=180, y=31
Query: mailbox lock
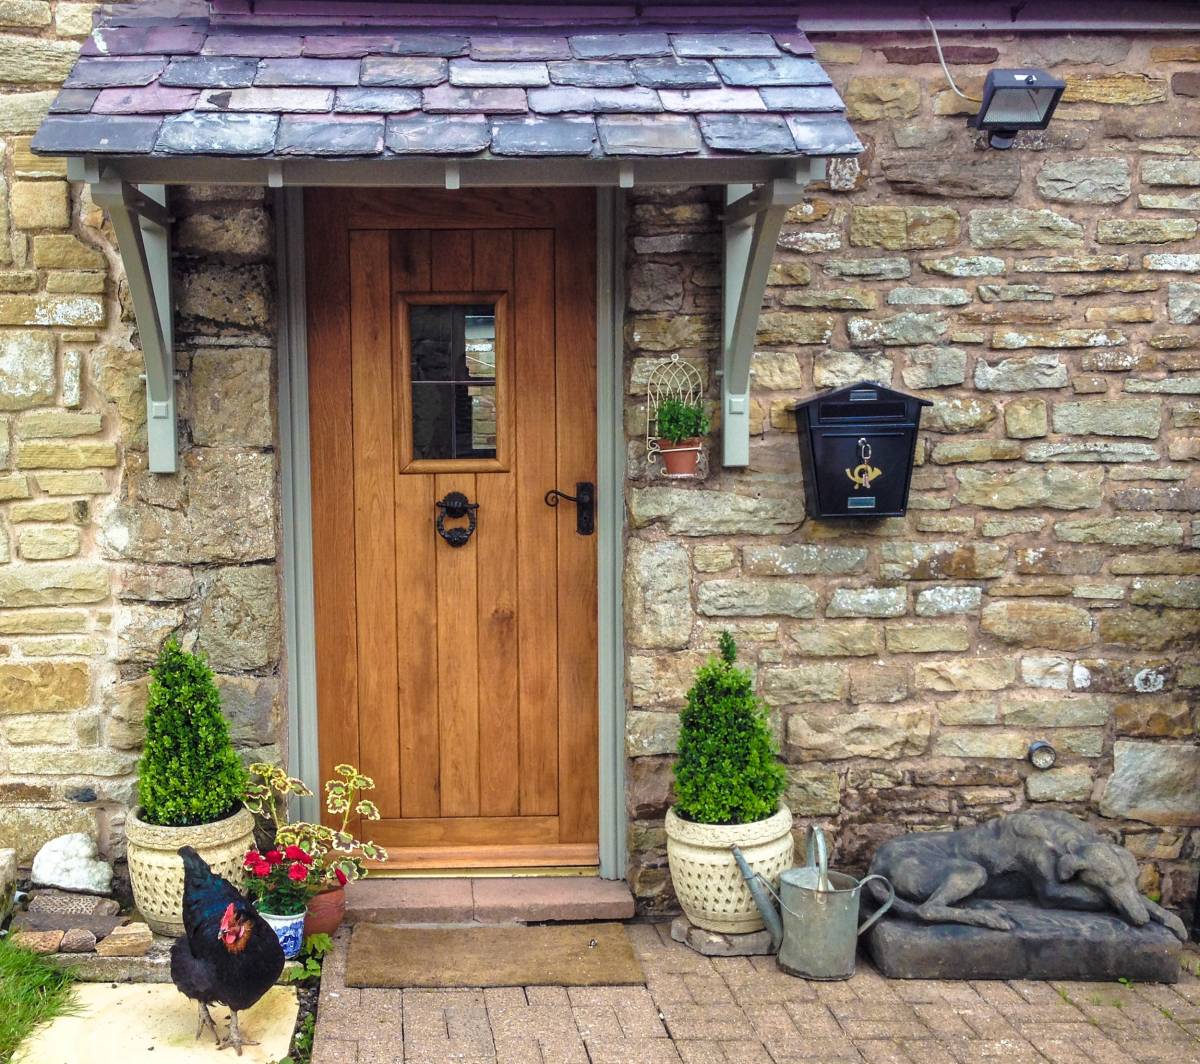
x=863, y=473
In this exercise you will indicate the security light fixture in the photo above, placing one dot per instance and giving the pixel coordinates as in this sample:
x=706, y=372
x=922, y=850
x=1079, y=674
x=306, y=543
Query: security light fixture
x=1014, y=100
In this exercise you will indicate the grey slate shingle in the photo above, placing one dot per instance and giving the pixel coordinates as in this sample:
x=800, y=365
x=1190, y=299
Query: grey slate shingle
x=363, y=90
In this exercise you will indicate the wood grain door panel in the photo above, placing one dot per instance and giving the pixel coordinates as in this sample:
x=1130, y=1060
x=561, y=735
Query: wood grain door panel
x=462, y=679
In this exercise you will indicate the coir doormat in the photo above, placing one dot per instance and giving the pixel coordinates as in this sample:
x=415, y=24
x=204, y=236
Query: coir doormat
x=554, y=955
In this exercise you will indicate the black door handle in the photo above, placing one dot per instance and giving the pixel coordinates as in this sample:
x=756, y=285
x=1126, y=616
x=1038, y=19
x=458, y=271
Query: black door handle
x=585, y=505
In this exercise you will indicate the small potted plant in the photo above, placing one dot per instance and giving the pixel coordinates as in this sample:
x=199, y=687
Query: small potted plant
x=190, y=783
x=280, y=882
x=728, y=784
x=679, y=426
x=337, y=856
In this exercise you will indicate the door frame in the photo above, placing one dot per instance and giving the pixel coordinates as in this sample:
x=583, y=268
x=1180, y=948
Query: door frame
x=300, y=684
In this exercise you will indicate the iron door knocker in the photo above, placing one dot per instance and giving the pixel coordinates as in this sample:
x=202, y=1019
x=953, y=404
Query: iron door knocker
x=456, y=505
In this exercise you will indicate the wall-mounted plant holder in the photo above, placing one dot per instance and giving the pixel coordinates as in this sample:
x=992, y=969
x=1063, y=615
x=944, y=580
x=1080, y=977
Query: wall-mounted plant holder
x=674, y=387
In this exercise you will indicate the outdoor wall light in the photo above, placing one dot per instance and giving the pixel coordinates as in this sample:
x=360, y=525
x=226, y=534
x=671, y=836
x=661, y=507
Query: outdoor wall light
x=1042, y=754
x=1014, y=100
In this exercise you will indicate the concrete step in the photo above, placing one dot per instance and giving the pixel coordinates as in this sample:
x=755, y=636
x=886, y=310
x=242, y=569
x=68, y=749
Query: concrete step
x=488, y=900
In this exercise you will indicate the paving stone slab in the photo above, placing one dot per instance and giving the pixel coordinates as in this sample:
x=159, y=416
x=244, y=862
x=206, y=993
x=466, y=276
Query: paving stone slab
x=718, y=944
x=62, y=901
x=1045, y=944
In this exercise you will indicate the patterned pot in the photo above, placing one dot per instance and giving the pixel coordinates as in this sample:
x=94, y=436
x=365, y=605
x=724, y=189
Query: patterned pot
x=289, y=930
x=156, y=869
x=706, y=879
x=325, y=912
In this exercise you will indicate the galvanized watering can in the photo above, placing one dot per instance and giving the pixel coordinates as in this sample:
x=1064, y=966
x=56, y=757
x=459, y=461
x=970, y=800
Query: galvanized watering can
x=817, y=936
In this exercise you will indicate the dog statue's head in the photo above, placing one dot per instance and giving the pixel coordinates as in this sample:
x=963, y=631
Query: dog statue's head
x=1112, y=870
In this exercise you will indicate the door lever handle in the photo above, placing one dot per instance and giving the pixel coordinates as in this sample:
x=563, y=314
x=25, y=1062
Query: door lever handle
x=585, y=505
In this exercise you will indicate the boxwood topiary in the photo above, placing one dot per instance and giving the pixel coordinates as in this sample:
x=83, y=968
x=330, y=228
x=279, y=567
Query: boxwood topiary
x=676, y=420
x=189, y=772
x=728, y=770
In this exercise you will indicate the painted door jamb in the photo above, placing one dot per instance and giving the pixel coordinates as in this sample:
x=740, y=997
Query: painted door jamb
x=296, y=498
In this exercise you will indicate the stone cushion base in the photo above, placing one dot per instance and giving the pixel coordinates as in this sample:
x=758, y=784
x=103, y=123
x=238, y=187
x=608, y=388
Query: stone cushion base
x=1045, y=944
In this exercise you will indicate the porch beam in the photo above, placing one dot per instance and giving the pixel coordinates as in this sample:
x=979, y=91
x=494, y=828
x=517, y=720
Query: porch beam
x=141, y=222
x=753, y=218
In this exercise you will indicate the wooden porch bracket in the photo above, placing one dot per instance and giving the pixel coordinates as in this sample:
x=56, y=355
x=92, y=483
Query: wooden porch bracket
x=141, y=221
x=753, y=218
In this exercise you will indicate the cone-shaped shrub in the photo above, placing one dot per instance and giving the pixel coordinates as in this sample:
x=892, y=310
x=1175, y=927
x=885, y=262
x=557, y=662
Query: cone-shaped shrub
x=189, y=772
x=728, y=771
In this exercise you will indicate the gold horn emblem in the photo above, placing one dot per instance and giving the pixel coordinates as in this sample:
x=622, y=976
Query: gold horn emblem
x=863, y=473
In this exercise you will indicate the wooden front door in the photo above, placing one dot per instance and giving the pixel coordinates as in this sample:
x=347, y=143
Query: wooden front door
x=451, y=342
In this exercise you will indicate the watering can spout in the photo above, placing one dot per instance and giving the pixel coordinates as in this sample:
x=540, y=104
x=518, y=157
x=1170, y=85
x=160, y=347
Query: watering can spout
x=758, y=892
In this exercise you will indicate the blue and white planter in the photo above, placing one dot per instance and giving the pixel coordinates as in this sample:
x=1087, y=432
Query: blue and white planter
x=289, y=930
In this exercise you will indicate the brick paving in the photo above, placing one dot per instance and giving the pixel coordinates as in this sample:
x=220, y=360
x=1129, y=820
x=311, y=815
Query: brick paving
x=700, y=1010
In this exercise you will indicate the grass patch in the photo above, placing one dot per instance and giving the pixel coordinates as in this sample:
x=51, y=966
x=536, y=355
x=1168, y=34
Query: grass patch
x=31, y=992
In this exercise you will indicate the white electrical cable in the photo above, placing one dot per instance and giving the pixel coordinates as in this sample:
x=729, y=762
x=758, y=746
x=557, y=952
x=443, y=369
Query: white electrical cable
x=942, y=59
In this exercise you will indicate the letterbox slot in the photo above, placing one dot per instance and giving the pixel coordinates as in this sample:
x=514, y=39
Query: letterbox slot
x=851, y=411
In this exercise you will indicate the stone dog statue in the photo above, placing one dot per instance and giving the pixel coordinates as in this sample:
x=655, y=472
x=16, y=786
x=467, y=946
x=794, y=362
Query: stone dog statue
x=1052, y=858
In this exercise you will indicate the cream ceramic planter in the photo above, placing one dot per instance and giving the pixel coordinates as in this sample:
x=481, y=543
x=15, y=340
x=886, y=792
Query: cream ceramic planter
x=156, y=869
x=707, y=881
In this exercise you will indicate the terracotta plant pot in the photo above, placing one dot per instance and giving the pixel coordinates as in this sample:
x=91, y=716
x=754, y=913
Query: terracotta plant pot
x=326, y=911
x=680, y=459
x=706, y=878
x=156, y=869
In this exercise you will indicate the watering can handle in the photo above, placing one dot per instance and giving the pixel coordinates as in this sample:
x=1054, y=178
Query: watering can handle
x=883, y=908
x=818, y=853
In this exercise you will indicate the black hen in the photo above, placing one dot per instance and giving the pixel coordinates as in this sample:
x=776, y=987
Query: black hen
x=228, y=955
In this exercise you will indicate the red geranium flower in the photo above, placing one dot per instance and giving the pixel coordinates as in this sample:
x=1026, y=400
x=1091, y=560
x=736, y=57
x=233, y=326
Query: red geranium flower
x=294, y=853
x=252, y=858
x=297, y=872
x=274, y=856
x=262, y=869
x=341, y=876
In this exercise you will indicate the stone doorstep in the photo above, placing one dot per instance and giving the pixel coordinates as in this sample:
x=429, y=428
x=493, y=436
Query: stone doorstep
x=488, y=900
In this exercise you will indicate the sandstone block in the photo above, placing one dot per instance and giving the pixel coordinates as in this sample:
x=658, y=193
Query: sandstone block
x=91, y=454
x=835, y=369
x=755, y=598
x=27, y=375
x=713, y=513
x=22, y=112
x=833, y=734
x=212, y=297
x=40, y=205
x=934, y=367
x=1155, y=718
x=669, y=332
x=965, y=674
x=658, y=605
x=980, y=742
x=835, y=639
x=650, y=733
x=830, y=299
x=903, y=228
x=952, y=452
x=1103, y=180
x=1127, y=89
x=43, y=687
x=803, y=559
x=907, y=329
x=980, y=175
x=1150, y=530
x=965, y=266
x=1109, y=417
x=713, y=557
x=868, y=602
x=1072, y=783
x=878, y=684
x=959, y=415
x=662, y=680
x=1144, y=230
x=940, y=560
x=777, y=371
x=1025, y=419
x=44, y=424
x=53, y=584
x=1022, y=230
x=1183, y=302
x=869, y=99
x=1153, y=782
x=813, y=792
x=70, y=310
x=926, y=638
x=1053, y=626
x=239, y=621
x=1051, y=487
x=887, y=269
x=48, y=543
x=38, y=941
x=794, y=327
x=804, y=683
x=128, y=940
x=1149, y=629
x=1182, y=592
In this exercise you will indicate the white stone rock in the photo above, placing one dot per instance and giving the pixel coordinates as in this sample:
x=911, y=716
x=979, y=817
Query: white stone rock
x=70, y=862
x=8, y=882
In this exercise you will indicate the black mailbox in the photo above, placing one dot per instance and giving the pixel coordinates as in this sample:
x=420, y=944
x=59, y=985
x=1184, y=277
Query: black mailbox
x=856, y=447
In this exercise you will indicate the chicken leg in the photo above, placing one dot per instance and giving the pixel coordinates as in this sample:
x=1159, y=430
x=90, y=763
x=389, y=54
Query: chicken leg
x=235, y=1038
x=205, y=1020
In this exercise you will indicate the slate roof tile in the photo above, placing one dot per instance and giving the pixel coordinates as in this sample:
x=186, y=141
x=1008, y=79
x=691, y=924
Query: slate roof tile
x=667, y=82
x=672, y=73
x=264, y=100
x=759, y=134
x=74, y=134
x=648, y=134
x=423, y=134
x=592, y=73
x=494, y=49
x=307, y=72
x=381, y=101
x=543, y=136
x=216, y=72
x=197, y=133
x=619, y=45
x=449, y=99
x=114, y=73
x=562, y=99
x=389, y=70
x=470, y=73
x=329, y=136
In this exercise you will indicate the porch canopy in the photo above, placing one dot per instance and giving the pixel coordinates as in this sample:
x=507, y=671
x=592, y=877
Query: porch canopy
x=296, y=92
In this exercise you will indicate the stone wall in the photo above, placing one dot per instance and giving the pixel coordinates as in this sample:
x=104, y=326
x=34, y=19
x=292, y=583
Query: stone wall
x=99, y=560
x=1045, y=583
